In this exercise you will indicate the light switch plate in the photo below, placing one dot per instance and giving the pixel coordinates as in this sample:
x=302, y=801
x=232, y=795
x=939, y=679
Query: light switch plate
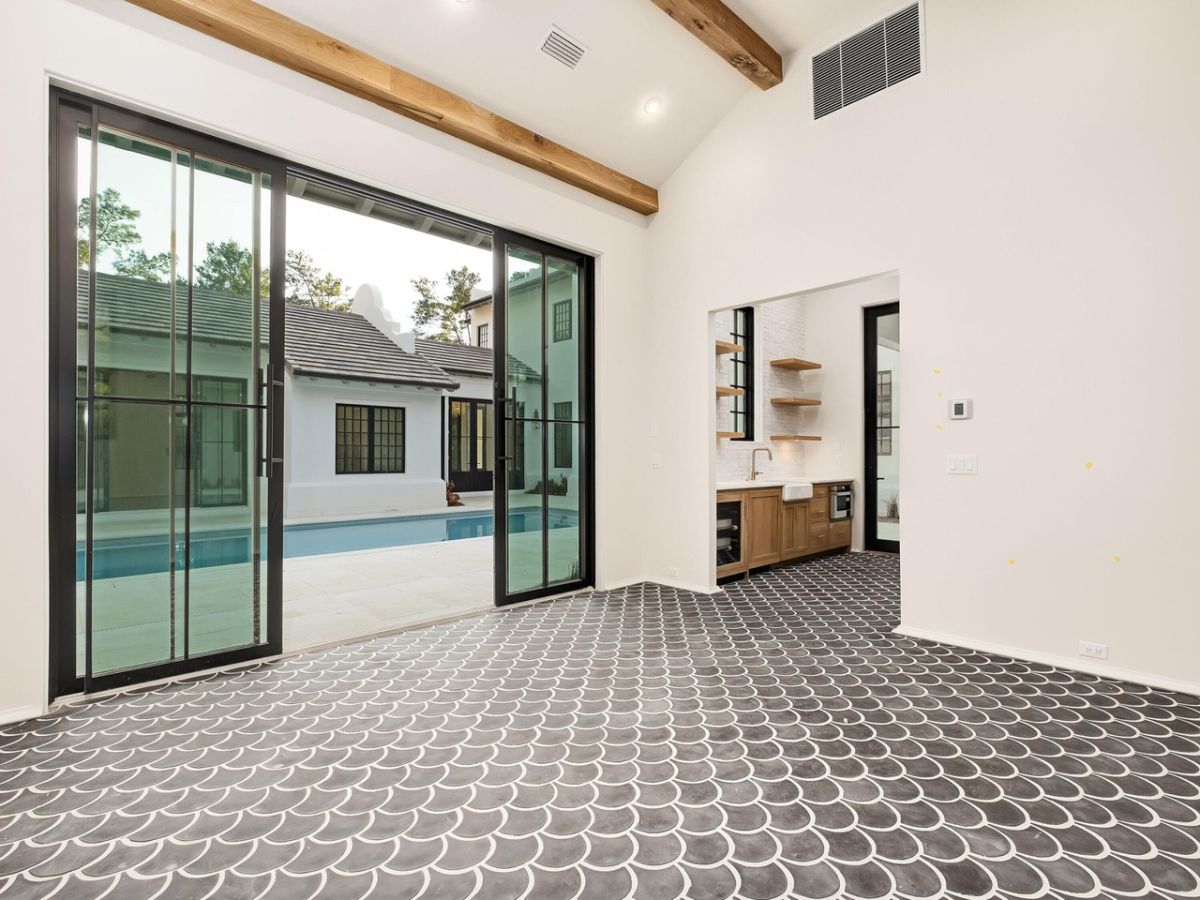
x=962, y=464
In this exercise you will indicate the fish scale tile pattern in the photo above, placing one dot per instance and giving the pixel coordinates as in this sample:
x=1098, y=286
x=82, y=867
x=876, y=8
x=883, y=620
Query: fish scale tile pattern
x=772, y=740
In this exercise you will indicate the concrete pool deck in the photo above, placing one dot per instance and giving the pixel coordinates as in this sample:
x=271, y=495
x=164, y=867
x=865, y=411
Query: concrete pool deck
x=327, y=599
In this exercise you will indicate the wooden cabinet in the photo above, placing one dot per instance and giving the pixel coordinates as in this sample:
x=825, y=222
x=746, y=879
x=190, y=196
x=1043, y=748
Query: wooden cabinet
x=839, y=533
x=818, y=536
x=761, y=530
x=762, y=510
x=794, y=532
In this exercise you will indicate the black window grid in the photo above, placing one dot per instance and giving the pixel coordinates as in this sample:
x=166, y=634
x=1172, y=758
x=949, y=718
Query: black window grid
x=741, y=407
x=562, y=320
x=369, y=440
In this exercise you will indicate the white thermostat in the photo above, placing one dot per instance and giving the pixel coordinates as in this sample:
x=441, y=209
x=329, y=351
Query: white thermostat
x=960, y=409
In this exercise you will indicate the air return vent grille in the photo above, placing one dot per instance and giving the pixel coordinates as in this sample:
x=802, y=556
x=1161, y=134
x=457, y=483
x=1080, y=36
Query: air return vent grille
x=877, y=57
x=563, y=47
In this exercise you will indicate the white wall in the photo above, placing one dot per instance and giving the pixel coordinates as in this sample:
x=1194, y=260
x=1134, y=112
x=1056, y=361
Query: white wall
x=316, y=491
x=111, y=48
x=1038, y=191
x=835, y=340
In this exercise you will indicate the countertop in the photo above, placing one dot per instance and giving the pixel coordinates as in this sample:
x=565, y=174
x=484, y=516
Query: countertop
x=777, y=482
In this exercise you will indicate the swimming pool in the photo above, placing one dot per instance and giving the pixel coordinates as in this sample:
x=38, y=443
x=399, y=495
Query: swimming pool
x=118, y=557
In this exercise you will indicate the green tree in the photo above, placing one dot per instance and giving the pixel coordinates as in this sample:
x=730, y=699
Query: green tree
x=309, y=285
x=138, y=264
x=446, y=312
x=229, y=267
x=115, y=228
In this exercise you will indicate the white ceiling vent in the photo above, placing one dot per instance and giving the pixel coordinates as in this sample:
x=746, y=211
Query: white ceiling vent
x=563, y=47
x=868, y=62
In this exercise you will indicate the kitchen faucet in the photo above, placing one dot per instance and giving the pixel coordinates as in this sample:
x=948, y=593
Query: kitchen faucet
x=754, y=461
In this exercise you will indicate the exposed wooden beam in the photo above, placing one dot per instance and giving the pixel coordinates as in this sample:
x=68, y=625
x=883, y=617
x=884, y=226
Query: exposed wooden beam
x=271, y=35
x=733, y=40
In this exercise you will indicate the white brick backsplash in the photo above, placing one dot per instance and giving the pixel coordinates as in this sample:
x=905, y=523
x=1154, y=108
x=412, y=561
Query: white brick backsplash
x=779, y=332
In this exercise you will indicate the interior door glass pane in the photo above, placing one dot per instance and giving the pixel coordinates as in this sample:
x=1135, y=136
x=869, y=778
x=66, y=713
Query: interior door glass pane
x=137, y=317
x=81, y=488
x=523, y=368
x=523, y=395
x=525, y=494
x=137, y=582
x=887, y=427
x=83, y=192
x=562, y=332
x=227, y=277
x=227, y=519
x=562, y=519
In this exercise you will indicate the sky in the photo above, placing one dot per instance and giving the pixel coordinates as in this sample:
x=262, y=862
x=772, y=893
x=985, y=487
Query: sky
x=357, y=249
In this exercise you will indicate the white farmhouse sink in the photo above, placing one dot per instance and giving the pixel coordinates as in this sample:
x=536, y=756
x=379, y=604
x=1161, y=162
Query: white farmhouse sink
x=797, y=490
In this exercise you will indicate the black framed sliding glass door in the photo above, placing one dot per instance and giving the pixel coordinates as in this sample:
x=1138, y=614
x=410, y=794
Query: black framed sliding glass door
x=167, y=399
x=544, y=472
x=881, y=478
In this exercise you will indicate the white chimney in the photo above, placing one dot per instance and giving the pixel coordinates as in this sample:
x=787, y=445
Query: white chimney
x=368, y=303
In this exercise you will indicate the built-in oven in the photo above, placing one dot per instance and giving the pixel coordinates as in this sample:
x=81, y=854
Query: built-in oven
x=841, y=502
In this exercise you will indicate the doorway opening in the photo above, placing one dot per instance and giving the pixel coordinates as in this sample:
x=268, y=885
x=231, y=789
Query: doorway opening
x=881, y=453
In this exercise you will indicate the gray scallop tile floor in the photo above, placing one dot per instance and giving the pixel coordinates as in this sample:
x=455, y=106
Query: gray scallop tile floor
x=772, y=740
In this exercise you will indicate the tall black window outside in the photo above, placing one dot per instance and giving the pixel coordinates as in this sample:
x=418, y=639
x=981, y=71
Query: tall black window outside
x=742, y=406
x=562, y=321
x=482, y=339
x=370, y=439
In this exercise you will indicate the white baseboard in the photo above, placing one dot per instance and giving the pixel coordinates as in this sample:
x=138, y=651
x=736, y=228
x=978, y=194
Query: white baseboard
x=1077, y=664
x=20, y=714
x=665, y=582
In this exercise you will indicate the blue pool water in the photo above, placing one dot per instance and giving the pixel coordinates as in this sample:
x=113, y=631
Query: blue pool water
x=117, y=557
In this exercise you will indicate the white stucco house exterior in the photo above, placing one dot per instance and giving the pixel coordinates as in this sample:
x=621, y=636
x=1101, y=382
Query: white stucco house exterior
x=379, y=420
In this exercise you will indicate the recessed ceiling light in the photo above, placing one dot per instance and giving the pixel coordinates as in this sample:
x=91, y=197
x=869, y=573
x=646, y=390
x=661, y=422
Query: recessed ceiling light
x=653, y=106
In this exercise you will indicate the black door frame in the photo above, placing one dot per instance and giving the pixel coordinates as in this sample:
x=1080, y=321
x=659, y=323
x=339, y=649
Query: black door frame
x=68, y=111
x=476, y=477
x=67, y=104
x=871, y=317
x=504, y=240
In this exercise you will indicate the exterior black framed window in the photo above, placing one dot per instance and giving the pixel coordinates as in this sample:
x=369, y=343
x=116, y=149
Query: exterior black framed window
x=742, y=406
x=482, y=337
x=563, y=455
x=562, y=320
x=370, y=439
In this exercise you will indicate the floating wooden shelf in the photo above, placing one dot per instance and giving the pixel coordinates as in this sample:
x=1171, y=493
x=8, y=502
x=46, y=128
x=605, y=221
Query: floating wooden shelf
x=795, y=437
x=730, y=434
x=796, y=365
x=727, y=347
x=794, y=401
x=724, y=391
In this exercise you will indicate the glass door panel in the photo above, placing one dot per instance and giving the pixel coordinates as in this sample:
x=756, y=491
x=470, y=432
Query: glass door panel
x=543, y=403
x=137, y=578
x=166, y=295
x=882, y=351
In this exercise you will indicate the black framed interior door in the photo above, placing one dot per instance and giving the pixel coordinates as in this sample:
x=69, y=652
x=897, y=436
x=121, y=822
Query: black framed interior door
x=881, y=453
x=545, y=494
x=167, y=399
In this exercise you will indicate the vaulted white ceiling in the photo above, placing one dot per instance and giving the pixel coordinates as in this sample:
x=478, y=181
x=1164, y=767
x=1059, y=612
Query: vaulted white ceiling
x=489, y=52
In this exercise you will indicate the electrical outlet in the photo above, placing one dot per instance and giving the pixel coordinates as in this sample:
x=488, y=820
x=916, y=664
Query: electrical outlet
x=656, y=461
x=672, y=572
x=1093, y=651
